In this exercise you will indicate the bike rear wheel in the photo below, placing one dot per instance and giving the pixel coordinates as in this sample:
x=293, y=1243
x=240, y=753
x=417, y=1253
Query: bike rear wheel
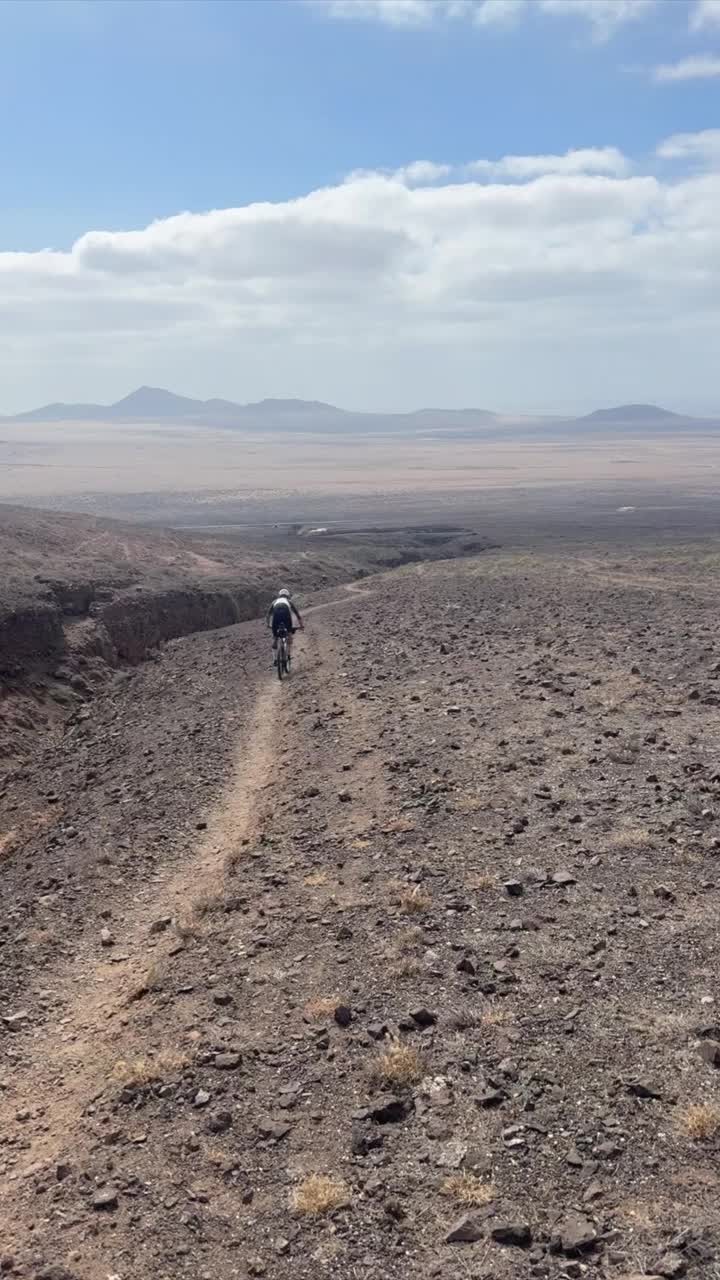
x=283, y=657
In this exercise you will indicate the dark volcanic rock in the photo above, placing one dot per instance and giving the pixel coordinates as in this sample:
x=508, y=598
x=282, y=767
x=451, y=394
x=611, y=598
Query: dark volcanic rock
x=514, y=1233
x=574, y=1234
x=710, y=1052
x=227, y=1061
x=424, y=1018
x=390, y=1110
x=467, y=1230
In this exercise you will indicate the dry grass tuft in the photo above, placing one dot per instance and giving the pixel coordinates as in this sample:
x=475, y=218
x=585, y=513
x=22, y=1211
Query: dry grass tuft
x=233, y=860
x=415, y=900
x=699, y=1120
x=315, y=879
x=398, y=826
x=493, y=1016
x=319, y=1193
x=477, y=881
x=208, y=904
x=629, y=838
x=187, y=929
x=405, y=952
x=409, y=940
x=468, y=803
x=401, y=1064
x=152, y=980
x=142, y=1071
x=405, y=968
x=322, y=1006
x=467, y=1188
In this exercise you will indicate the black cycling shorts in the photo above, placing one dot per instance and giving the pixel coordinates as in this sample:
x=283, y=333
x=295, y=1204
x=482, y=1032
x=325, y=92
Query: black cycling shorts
x=282, y=619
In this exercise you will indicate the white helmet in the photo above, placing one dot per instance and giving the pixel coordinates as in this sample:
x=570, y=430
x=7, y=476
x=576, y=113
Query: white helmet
x=283, y=594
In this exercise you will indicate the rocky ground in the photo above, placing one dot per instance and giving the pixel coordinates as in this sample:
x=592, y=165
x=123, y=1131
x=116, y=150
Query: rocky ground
x=406, y=967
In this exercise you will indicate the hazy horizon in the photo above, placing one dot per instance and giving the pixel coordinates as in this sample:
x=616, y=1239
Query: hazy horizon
x=406, y=408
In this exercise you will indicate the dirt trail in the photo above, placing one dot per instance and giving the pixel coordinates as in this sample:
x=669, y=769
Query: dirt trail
x=71, y=1058
x=442, y=932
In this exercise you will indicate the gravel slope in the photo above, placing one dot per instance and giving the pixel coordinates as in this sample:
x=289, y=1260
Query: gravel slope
x=407, y=967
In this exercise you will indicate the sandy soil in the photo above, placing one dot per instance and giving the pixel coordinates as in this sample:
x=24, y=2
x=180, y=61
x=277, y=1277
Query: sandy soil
x=40, y=461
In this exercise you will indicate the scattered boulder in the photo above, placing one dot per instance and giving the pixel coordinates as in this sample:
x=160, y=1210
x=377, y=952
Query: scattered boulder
x=364, y=1141
x=105, y=1200
x=574, y=1234
x=389, y=1109
x=491, y=1098
x=377, y=1030
x=467, y=1230
x=273, y=1130
x=424, y=1018
x=563, y=878
x=643, y=1089
x=710, y=1052
x=227, y=1061
x=219, y=1122
x=160, y=925
x=518, y=1234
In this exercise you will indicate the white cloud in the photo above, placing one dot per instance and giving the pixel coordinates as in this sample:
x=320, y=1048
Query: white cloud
x=498, y=13
x=700, y=66
x=706, y=13
x=604, y=16
x=420, y=172
x=551, y=277
x=701, y=148
x=583, y=160
x=395, y=13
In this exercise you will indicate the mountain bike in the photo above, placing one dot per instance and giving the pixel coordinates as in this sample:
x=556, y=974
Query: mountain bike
x=282, y=660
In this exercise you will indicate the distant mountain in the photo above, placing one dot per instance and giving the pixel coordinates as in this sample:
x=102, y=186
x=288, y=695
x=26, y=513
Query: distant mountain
x=292, y=406
x=153, y=402
x=58, y=412
x=155, y=405
x=637, y=413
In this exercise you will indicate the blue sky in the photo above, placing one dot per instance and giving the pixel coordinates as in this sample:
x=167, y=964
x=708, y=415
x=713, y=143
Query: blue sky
x=114, y=115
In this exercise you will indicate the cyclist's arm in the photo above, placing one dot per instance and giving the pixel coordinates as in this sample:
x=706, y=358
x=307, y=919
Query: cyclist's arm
x=297, y=614
x=268, y=615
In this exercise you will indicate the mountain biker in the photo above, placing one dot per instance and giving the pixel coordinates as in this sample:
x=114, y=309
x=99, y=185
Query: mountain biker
x=280, y=614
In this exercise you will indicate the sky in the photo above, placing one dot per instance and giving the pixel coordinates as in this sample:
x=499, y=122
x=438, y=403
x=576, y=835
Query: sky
x=384, y=204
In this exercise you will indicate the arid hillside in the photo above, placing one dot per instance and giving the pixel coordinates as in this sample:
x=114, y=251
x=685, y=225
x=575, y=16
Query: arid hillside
x=81, y=595
x=406, y=966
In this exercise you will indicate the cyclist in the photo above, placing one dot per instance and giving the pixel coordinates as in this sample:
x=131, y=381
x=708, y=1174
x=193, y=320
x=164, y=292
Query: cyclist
x=280, y=614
